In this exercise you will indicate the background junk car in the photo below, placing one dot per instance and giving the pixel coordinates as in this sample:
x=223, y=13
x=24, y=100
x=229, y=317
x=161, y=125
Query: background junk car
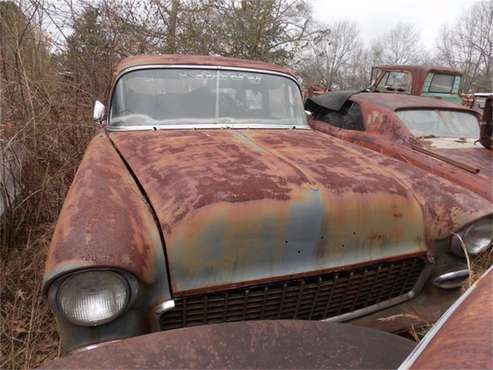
x=431, y=81
x=435, y=136
x=208, y=198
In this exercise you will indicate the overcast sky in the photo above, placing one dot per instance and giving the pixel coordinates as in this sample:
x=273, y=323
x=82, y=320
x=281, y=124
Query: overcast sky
x=376, y=17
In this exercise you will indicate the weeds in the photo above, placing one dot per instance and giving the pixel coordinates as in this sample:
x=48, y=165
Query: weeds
x=28, y=334
x=27, y=328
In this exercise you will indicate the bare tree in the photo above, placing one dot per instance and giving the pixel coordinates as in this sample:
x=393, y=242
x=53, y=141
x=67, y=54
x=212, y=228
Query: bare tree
x=468, y=46
x=330, y=56
x=401, y=45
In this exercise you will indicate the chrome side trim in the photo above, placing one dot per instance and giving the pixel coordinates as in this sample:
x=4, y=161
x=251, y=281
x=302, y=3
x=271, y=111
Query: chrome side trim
x=418, y=350
x=158, y=310
x=92, y=346
x=425, y=274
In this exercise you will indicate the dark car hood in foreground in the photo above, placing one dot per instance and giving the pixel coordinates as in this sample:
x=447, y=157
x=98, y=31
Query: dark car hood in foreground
x=249, y=345
x=244, y=205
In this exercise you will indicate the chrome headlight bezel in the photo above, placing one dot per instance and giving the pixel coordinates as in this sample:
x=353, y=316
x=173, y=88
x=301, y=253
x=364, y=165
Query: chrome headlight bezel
x=129, y=282
x=464, y=236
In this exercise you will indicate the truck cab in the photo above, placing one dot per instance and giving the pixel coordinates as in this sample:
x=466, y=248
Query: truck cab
x=436, y=82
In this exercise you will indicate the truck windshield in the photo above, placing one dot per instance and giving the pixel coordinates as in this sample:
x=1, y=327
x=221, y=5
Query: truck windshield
x=161, y=97
x=440, y=123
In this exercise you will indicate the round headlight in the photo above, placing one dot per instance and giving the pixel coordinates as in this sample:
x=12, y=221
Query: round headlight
x=91, y=298
x=478, y=236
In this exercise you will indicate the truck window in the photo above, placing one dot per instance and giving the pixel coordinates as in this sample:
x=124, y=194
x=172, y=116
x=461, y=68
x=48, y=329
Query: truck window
x=442, y=83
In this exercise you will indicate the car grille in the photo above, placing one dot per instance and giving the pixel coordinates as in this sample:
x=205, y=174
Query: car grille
x=311, y=298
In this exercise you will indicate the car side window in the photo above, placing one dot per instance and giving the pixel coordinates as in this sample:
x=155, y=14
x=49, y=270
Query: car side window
x=348, y=118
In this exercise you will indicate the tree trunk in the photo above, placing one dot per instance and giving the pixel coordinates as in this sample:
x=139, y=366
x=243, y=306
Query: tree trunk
x=171, y=34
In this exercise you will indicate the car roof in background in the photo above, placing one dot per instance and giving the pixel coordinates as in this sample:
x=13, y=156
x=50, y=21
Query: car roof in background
x=335, y=101
x=416, y=69
x=403, y=101
x=199, y=60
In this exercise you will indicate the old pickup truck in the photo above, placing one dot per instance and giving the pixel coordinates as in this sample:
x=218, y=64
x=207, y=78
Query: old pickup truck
x=208, y=198
x=431, y=81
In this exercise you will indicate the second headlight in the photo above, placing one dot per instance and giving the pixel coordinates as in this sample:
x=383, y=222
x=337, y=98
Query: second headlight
x=476, y=237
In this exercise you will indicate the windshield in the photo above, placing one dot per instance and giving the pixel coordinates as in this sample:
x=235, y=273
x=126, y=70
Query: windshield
x=394, y=81
x=160, y=97
x=440, y=123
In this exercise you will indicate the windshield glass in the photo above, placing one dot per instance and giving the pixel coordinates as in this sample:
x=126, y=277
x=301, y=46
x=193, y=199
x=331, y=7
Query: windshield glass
x=394, y=81
x=160, y=97
x=440, y=123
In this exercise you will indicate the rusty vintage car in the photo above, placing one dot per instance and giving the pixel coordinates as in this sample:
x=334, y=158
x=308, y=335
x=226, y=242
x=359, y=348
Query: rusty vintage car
x=463, y=337
x=431, y=81
x=441, y=138
x=208, y=198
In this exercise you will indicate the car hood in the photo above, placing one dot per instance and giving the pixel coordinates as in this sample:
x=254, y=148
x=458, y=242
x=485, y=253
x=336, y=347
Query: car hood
x=239, y=206
x=467, y=151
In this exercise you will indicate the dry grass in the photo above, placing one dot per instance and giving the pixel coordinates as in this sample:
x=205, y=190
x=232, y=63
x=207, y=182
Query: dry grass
x=27, y=328
x=50, y=155
x=480, y=264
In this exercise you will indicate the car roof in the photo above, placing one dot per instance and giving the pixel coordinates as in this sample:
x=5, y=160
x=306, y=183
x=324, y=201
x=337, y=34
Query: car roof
x=198, y=60
x=403, y=101
x=416, y=69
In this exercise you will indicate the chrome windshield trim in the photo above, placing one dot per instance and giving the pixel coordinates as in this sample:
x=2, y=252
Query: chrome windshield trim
x=208, y=67
x=207, y=126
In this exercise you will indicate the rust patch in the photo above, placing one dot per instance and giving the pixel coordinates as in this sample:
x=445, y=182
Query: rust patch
x=105, y=221
x=238, y=205
x=449, y=196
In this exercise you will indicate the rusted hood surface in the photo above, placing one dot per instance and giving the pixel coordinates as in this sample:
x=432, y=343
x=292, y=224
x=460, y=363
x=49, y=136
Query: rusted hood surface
x=464, y=151
x=245, y=205
x=106, y=222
